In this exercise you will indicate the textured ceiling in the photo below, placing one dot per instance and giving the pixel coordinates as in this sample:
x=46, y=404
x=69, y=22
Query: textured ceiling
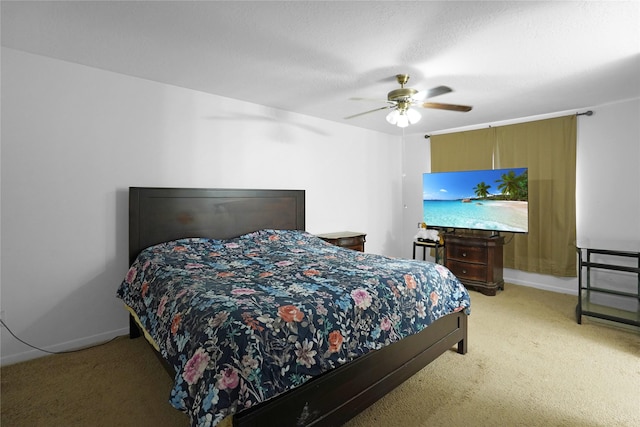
x=508, y=60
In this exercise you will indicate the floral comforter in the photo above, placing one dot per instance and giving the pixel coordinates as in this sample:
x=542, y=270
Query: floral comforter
x=245, y=319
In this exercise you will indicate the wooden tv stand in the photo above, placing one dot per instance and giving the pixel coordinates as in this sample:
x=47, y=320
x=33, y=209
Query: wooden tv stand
x=476, y=260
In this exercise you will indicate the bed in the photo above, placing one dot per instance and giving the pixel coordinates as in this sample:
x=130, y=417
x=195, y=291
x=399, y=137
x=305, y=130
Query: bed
x=330, y=370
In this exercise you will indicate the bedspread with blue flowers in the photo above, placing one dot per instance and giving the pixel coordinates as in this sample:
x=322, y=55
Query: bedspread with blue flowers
x=245, y=319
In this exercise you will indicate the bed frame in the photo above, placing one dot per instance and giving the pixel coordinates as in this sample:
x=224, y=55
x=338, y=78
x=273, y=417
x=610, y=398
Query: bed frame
x=161, y=214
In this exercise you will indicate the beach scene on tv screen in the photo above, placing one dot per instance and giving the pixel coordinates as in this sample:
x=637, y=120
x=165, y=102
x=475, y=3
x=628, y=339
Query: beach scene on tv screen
x=495, y=200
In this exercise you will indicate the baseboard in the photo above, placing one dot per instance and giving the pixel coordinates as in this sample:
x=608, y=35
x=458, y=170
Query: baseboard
x=543, y=287
x=562, y=285
x=77, y=344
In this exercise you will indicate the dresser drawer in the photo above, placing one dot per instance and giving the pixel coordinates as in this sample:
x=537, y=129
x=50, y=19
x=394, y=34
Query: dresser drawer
x=468, y=271
x=475, y=254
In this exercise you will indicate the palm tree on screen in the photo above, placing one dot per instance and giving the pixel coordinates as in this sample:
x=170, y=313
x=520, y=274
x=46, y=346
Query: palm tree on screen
x=509, y=184
x=482, y=190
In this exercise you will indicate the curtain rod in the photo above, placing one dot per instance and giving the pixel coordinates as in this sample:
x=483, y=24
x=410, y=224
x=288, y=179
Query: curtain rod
x=586, y=113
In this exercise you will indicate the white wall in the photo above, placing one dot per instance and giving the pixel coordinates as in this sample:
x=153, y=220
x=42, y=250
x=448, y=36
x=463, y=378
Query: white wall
x=75, y=138
x=607, y=186
x=608, y=176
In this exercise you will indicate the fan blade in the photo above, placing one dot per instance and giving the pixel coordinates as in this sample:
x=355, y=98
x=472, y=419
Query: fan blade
x=451, y=107
x=370, y=111
x=440, y=90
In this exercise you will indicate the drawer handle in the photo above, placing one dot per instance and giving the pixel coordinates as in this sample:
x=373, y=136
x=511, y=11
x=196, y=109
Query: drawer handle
x=464, y=254
x=464, y=271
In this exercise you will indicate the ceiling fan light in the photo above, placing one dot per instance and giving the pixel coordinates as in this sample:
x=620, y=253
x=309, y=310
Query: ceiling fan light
x=392, y=117
x=413, y=116
x=403, y=121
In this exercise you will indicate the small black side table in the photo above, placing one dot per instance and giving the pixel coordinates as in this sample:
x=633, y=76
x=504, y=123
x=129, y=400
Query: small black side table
x=429, y=244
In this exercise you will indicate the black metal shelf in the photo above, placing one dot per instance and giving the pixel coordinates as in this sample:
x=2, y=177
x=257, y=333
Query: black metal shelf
x=588, y=294
x=424, y=244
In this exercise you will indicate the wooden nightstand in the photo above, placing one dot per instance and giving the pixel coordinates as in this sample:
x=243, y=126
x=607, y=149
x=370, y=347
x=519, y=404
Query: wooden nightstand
x=476, y=261
x=345, y=239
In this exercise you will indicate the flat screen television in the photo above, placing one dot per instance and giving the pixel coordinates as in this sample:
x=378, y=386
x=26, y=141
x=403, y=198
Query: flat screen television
x=494, y=200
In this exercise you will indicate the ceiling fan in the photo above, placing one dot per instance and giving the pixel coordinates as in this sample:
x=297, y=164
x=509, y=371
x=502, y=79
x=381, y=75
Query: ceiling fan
x=402, y=100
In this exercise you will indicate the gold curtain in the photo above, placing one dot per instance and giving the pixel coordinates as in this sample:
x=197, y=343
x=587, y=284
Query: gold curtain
x=470, y=150
x=548, y=149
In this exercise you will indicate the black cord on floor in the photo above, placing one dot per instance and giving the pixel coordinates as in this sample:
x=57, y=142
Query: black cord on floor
x=52, y=352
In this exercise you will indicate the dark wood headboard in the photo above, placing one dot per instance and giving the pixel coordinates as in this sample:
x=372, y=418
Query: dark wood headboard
x=158, y=215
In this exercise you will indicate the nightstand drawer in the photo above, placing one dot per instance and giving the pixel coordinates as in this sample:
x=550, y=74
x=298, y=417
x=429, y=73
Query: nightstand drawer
x=468, y=271
x=476, y=254
x=345, y=239
x=349, y=242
